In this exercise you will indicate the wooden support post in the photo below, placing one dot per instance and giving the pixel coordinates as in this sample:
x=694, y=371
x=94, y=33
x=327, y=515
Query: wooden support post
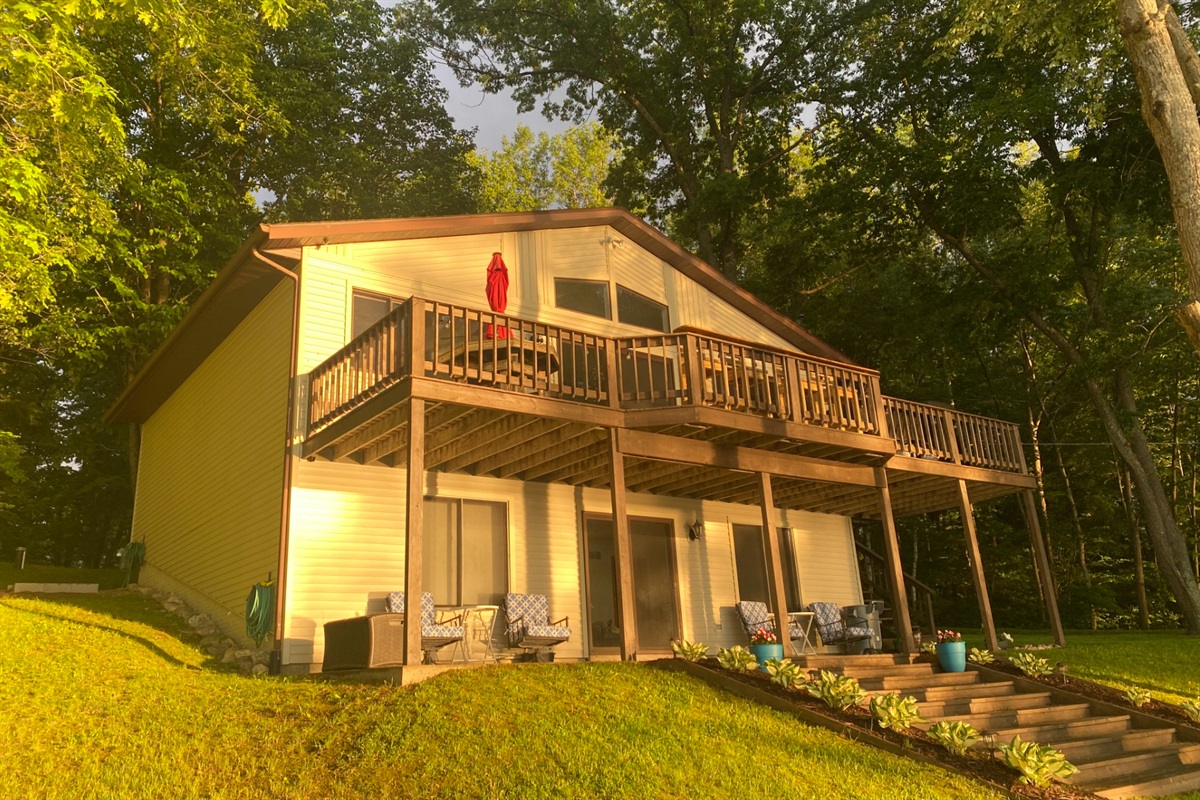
x=1045, y=576
x=694, y=370
x=414, y=531
x=627, y=611
x=776, y=590
x=981, y=590
x=891, y=548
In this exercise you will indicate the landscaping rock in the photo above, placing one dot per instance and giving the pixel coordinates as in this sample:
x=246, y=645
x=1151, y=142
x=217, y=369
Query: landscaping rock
x=259, y=669
x=261, y=657
x=229, y=656
x=200, y=621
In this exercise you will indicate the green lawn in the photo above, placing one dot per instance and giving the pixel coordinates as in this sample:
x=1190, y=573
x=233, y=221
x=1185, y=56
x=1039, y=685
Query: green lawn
x=101, y=699
x=39, y=573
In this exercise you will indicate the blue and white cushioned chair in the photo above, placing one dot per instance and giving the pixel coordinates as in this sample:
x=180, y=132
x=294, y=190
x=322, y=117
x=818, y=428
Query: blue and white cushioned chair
x=754, y=615
x=434, y=635
x=832, y=626
x=529, y=625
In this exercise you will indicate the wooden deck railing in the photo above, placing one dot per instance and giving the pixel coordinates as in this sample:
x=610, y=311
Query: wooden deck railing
x=653, y=371
x=952, y=436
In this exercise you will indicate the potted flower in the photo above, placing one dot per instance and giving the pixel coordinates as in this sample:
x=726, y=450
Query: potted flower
x=951, y=651
x=764, y=644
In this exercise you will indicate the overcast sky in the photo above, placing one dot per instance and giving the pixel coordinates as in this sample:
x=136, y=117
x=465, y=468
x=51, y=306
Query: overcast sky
x=492, y=115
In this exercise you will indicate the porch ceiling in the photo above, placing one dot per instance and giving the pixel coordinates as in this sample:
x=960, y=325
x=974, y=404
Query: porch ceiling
x=501, y=443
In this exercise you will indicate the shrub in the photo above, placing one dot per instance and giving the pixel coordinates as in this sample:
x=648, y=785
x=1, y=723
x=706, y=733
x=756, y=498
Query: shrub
x=977, y=656
x=1038, y=764
x=957, y=737
x=690, y=651
x=1031, y=665
x=892, y=711
x=785, y=673
x=838, y=691
x=737, y=658
x=1192, y=709
x=1138, y=697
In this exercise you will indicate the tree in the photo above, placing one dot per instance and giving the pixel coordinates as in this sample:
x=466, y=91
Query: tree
x=706, y=99
x=530, y=173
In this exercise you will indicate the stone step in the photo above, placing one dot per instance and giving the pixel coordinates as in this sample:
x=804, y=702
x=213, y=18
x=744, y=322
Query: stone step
x=1063, y=730
x=834, y=661
x=942, y=693
x=902, y=682
x=1172, y=780
x=1129, y=766
x=966, y=706
x=863, y=671
x=993, y=720
x=1094, y=748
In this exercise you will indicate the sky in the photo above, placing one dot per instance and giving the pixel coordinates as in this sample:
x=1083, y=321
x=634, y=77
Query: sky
x=492, y=115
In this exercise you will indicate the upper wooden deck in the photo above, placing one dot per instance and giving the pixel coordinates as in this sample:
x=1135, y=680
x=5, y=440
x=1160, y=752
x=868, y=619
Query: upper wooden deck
x=518, y=398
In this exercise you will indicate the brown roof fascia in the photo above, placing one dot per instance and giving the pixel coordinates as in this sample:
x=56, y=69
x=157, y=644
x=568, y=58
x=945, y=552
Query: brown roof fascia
x=240, y=286
x=302, y=234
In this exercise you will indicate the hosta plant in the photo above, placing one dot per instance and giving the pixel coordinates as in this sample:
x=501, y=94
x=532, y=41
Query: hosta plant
x=1192, y=709
x=977, y=656
x=1138, y=697
x=895, y=712
x=1038, y=764
x=957, y=737
x=838, y=691
x=1031, y=665
x=929, y=647
x=785, y=673
x=737, y=659
x=690, y=651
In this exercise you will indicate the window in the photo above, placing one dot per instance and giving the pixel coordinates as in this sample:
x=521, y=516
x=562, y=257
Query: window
x=466, y=551
x=590, y=297
x=367, y=309
x=750, y=554
x=636, y=309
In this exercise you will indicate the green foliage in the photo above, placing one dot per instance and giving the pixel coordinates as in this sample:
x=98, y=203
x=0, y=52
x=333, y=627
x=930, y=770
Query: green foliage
x=1032, y=665
x=1192, y=709
x=929, y=647
x=839, y=692
x=690, y=651
x=977, y=656
x=956, y=737
x=737, y=659
x=1039, y=765
x=786, y=673
x=564, y=170
x=1137, y=697
x=895, y=712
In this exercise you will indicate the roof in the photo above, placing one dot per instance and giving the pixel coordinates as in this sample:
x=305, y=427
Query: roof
x=245, y=280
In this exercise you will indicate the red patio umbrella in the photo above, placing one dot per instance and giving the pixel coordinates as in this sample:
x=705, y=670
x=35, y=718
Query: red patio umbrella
x=497, y=294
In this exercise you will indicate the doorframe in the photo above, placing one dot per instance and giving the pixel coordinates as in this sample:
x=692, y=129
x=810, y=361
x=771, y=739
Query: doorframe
x=672, y=558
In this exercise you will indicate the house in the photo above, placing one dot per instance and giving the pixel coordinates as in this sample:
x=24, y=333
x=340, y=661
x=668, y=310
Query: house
x=635, y=437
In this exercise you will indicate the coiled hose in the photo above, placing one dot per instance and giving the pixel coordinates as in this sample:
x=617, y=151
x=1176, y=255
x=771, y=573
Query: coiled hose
x=260, y=611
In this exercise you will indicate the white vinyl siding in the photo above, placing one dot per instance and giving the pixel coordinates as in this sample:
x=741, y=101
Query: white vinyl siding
x=211, y=468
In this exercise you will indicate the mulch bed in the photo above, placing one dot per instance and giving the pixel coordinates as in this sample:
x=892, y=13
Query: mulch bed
x=977, y=764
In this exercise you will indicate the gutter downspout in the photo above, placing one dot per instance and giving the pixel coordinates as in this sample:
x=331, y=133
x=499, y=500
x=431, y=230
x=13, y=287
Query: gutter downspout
x=286, y=505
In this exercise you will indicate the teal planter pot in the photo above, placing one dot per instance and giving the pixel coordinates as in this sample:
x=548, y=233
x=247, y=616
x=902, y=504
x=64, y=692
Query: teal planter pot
x=953, y=656
x=765, y=652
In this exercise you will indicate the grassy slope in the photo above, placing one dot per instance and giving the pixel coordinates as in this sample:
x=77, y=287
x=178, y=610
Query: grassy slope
x=102, y=700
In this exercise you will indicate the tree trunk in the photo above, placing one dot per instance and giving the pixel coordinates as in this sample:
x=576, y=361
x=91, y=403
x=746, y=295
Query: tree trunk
x=1169, y=110
x=1076, y=524
x=1139, y=567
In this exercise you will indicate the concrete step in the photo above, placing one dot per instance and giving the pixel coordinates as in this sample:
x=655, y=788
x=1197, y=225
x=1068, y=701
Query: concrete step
x=942, y=693
x=934, y=709
x=863, y=671
x=903, y=682
x=1045, y=715
x=1079, y=751
x=835, y=662
x=1172, y=780
x=1063, y=730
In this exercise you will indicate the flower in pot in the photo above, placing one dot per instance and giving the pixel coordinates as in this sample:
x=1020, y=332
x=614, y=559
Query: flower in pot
x=764, y=644
x=951, y=651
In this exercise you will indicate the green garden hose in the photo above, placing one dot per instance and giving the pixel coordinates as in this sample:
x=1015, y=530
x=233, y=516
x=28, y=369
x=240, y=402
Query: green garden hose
x=260, y=611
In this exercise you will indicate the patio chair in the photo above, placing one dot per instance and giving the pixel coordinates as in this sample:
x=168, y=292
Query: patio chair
x=835, y=627
x=529, y=626
x=754, y=615
x=434, y=635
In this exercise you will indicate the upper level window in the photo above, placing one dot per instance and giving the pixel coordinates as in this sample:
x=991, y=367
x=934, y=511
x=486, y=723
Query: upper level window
x=636, y=309
x=590, y=297
x=367, y=309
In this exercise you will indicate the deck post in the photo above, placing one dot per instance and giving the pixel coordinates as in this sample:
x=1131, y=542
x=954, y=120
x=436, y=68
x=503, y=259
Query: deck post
x=624, y=551
x=414, y=530
x=1042, y=562
x=891, y=548
x=776, y=589
x=981, y=590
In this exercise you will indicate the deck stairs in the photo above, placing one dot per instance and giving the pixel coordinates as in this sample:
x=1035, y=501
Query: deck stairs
x=1117, y=754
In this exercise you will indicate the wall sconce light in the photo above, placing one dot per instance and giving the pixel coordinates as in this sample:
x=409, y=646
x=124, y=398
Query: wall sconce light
x=695, y=531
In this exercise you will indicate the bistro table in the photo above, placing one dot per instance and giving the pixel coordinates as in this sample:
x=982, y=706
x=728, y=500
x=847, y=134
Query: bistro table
x=479, y=625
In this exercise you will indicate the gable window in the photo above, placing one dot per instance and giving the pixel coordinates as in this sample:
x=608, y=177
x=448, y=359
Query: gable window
x=637, y=309
x=589, y=297
x=367, y=308
x=466, y=551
